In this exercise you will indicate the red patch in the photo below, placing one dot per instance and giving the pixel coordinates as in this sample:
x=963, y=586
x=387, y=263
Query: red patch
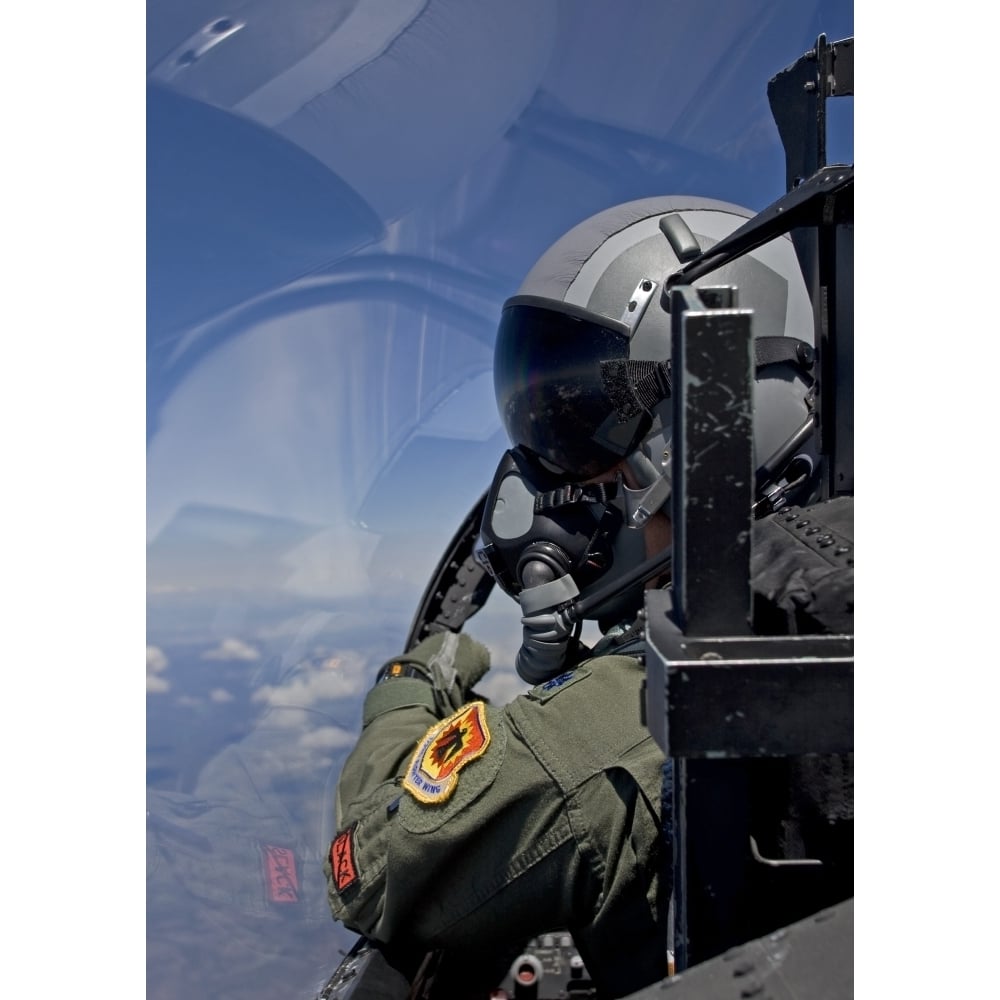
x=345, y=874
x=280, y=875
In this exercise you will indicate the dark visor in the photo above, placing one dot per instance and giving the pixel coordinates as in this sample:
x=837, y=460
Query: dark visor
x=550, y=389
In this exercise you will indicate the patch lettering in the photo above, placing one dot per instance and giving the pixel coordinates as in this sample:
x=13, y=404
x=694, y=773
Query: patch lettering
x=345, y=872
x=280, y=875
x=432, y=774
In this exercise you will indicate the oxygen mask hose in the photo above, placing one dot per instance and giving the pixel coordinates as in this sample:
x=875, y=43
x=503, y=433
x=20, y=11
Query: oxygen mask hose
x=547, y=627
x=551, y=615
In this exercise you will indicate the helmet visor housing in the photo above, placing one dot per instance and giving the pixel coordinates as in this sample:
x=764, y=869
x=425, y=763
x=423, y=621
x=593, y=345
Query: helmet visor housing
x=551, y=386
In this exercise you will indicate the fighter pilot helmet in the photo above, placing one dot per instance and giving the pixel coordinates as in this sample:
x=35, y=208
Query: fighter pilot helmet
x=582, y=380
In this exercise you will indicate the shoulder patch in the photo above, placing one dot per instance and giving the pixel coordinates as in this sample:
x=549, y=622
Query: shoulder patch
x=345, y=872
x=432, y=774
x=552, y=687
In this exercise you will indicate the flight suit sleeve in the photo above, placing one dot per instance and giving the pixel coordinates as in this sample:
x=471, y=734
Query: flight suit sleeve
x=398, y=711
x=474, y=832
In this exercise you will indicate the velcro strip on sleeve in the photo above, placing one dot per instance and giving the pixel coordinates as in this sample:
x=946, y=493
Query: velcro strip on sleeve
x=401, y=692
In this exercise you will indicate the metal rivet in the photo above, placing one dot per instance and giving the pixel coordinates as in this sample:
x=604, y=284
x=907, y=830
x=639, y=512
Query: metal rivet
x=812, y=530
x=752, y=989
x=647, y=285
x=824, y=542
x=841, y=549
x=743, y=968
x=802, y=523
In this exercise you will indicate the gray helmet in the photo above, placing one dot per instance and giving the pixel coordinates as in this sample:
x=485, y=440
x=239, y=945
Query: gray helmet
x=581, y=372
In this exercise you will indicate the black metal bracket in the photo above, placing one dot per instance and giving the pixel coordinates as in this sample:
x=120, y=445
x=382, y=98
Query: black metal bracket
x=747, y=696
x=719, y=698
x=798, y=96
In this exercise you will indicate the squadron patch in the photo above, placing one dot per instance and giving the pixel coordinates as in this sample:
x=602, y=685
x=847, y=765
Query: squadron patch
x=432, y=774
x=345, y=872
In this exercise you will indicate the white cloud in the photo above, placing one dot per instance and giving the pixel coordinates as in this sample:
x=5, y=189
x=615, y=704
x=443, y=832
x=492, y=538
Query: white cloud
x=156, y=685
x=221, y=695
x=156, y=663
x=341, y=676
x=232, y=649
x=156, y=660
x=327, y=738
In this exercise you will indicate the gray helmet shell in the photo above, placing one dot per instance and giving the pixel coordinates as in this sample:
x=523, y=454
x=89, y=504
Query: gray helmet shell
x=595, y=269
x=598, y=264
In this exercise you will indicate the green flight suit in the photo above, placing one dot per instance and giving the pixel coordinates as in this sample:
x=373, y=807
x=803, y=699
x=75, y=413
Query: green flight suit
x=550, y=820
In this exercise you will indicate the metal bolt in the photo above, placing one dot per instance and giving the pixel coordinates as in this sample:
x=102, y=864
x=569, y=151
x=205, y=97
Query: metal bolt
x=810, y=87
x=646, y=285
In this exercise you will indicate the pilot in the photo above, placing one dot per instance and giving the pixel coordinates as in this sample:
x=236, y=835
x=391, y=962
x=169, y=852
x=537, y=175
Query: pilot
x=467, y=828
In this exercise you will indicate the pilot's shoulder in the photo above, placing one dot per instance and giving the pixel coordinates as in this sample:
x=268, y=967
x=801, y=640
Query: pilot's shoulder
x=583, y=720
x=610, y=675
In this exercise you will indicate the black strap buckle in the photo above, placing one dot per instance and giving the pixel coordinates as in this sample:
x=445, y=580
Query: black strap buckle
x=400, y=668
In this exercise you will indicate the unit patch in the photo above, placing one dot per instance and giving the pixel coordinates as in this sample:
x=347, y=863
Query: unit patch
x=345, y=874
x=432, y=774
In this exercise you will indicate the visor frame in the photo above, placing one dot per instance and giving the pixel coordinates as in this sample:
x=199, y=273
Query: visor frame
x=549, y=386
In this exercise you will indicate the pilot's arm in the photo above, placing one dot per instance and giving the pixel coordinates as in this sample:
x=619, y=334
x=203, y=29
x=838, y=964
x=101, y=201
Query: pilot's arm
x=473, y=828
